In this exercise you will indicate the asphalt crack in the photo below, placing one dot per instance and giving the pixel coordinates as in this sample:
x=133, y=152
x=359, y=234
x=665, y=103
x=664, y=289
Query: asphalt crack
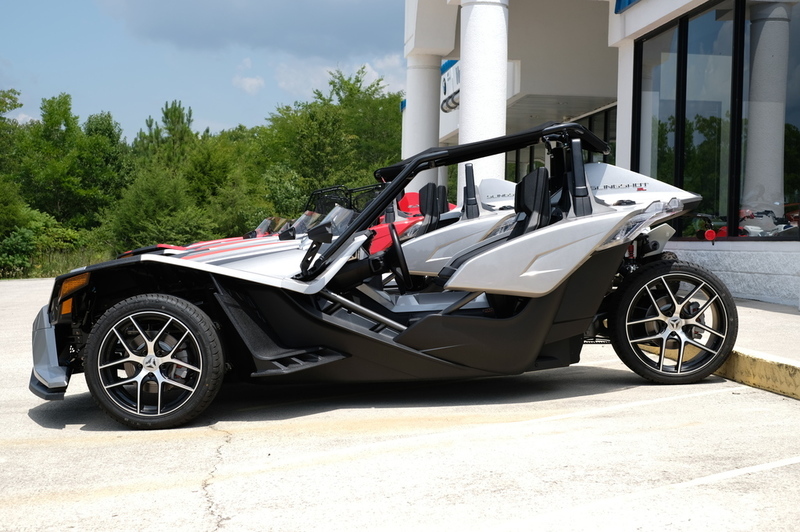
x=212, y=509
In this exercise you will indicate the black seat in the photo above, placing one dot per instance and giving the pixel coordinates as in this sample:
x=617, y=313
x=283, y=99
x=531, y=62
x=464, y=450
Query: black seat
x=429, y=207
x=532, y=205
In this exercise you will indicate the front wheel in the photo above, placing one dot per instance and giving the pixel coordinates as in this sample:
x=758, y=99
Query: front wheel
x=675, y=322
x=154, y=361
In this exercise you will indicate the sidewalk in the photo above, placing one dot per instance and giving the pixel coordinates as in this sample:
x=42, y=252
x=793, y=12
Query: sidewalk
x=767, y=351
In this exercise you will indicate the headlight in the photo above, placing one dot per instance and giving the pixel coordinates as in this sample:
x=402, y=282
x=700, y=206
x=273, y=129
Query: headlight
x=69, y=287
x=658, y=210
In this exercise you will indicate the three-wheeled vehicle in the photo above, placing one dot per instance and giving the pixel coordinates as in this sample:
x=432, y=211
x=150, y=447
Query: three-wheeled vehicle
x=490, y=289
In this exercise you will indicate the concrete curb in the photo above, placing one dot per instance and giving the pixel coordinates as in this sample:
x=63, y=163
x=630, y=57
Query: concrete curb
x=763, y=371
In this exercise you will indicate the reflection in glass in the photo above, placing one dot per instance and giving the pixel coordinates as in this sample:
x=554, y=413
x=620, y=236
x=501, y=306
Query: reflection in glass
x=766, y=195
x=657, y=141
x=708, y=108
x=612, y=135
x=770, y=186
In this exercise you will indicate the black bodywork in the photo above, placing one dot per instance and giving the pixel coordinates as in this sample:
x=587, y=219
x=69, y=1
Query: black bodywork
x=339, y=335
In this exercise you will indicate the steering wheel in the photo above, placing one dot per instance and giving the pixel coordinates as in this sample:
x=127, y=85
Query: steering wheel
x=401, y=273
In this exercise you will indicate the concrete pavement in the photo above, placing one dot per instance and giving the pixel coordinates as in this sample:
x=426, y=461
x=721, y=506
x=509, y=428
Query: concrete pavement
x=767, y=351
x=590, y=447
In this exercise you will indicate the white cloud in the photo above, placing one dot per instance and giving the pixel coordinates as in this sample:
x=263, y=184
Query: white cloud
x=391, y=68
x=22, y=118
x=300, y=78
x=250, y=85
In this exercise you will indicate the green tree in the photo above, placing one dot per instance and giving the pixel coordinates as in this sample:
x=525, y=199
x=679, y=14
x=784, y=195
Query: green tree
x=311, y=139
x=371, y=115
x=172, y=140
x=208, y=168
x=68, y=171
x=157, y=208
x=338, y=138
x=9, y=137
x=59, y=178
x=101, y=167
x=9, y=100
x=46, y=159
x=12, y=207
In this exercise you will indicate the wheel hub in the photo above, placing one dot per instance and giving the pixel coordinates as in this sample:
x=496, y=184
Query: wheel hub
x=150, y=362
x=674, y=323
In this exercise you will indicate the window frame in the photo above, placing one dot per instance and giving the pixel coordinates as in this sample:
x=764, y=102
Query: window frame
x=736, y=140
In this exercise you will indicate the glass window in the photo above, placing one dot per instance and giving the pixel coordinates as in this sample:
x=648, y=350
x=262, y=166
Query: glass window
x=770, y=187
x=708, y=108
x=597, y=125
x=791, y=157
x=612, y=135
x=690, y=71
x=657, y=127
x=604, y=125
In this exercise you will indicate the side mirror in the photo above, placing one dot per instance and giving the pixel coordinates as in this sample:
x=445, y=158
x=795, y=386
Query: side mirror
x=322, y=233
x=288, y=234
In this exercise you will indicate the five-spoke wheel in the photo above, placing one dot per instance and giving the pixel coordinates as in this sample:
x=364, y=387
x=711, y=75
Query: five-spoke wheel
x=675, y=322
x=154, y=361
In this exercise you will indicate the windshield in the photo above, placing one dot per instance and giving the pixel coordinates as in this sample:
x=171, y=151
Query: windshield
x=339, y=218
x=306, y=221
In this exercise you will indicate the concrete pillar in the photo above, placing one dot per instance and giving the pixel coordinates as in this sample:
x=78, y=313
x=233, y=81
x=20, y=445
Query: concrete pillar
x=769, y=52
x=484, y=62
x=421, y=115
x=625, y=103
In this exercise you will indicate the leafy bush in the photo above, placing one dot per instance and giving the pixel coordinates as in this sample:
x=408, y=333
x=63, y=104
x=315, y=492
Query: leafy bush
x=12, y=207
x=157, y=208
x=16, y=251
x=286, y=191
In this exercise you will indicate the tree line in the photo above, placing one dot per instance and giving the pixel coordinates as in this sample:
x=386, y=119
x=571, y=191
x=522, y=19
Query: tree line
x=75, y=192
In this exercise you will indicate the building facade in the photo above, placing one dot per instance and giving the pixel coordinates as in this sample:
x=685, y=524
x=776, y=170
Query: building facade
x=702, y=94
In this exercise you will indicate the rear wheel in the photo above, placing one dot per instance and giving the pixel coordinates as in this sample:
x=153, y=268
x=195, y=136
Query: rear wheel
x=674, y=323
x=154, y=361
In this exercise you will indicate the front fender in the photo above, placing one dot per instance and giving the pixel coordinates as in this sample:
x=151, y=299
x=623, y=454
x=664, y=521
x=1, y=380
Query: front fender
x=49, y=380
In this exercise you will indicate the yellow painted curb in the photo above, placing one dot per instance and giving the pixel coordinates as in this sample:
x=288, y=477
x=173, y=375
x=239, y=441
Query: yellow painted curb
x=764, y=371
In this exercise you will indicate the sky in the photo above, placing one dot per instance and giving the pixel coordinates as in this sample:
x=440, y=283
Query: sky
x=232, y=61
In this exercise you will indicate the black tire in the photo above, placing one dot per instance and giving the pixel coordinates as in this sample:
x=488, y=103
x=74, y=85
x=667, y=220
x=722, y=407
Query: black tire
x=154, y=361
x=674, y=322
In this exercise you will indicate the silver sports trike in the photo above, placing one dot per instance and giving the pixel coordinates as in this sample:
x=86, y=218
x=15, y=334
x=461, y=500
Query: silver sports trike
x=515, y=280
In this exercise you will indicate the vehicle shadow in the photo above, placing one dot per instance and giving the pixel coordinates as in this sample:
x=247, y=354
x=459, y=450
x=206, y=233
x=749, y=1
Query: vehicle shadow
x=261, y=402
x=258, y=402
x=74, y=409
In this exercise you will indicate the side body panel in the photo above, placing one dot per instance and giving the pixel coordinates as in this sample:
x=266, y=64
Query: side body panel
x=535, y=263
x=612, y=184
x=428, y=254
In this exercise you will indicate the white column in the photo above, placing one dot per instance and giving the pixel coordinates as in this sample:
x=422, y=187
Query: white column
x=625, y=104
x=484, y=61
x=769, y=52
x=421, y=115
